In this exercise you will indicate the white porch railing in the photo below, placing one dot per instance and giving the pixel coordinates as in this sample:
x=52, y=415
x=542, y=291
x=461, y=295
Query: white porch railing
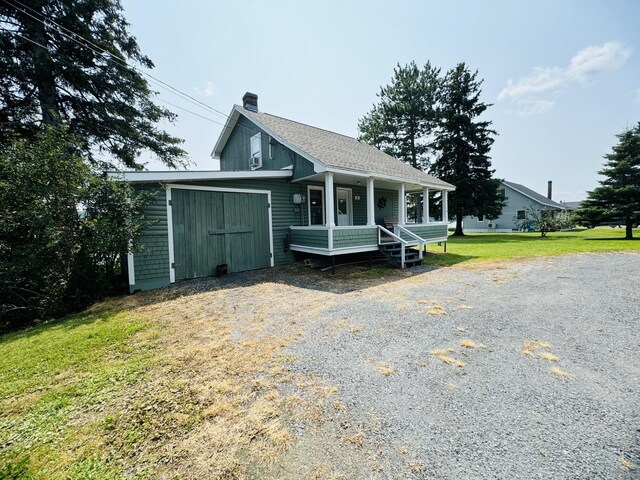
x=403, y=243
x=421, y=241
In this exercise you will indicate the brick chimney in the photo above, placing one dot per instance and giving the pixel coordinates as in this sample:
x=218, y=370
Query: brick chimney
x=250, y=101
x=549, y=184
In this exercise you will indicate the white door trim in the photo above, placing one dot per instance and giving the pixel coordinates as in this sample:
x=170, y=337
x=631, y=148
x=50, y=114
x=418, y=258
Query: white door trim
x=349, y=205
x=172, y=272
x=324, y=213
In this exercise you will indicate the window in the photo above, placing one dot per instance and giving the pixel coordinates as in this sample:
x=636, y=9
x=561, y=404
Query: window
x=316, y=205
x=481, y=218
x=521, y=215
x=255, y=161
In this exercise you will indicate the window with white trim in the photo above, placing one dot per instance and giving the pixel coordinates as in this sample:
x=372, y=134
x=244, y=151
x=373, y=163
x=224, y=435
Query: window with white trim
x=255, y=161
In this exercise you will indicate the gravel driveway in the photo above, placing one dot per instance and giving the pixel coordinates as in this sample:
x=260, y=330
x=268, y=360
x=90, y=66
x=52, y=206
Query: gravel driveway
x=548, y=386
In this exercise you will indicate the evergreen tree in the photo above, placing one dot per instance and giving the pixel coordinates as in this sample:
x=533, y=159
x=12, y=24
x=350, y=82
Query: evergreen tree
x=618, y=196
x=400, y=124
x=70, y=61
x=462, y=144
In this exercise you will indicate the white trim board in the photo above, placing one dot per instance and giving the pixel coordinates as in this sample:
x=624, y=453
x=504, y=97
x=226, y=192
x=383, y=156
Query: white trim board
x=334, y=251
x=172, y=273
x=169, y=176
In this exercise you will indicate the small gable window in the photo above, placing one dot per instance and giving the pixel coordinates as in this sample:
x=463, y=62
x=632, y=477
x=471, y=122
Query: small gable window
x=255, y=161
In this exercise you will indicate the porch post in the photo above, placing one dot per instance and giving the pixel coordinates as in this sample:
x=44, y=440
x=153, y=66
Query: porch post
x=402, y=204
x=328, y=197
x=371, y=214
x=445, y=207
x=425, y=205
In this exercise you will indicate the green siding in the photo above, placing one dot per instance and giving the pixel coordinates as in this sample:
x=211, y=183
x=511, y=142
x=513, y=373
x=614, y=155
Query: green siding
x=355, y=237
x=427, y=232
x=236, y=152
x=359, y=206
x=316, y=238
x=151, y=264
x=301, y=167
x=391, y=207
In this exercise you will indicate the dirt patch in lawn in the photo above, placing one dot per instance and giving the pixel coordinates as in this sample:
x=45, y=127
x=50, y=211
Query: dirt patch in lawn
x=215, y=406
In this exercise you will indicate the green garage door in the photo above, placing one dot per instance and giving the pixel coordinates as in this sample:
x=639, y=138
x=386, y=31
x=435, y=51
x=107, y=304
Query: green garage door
x=214, y=228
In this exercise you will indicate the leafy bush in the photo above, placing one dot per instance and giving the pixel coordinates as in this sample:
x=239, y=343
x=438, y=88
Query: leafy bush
x=63, y=227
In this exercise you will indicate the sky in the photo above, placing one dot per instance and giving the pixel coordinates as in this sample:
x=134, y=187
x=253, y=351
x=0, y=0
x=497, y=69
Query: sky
x=563, y=76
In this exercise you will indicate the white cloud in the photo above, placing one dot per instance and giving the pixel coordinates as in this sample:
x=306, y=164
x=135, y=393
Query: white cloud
x=587, y=62
x=610, y=56
x=209, y=89
x=527, y=108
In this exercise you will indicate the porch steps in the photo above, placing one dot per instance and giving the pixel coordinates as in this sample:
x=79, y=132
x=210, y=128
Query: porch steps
x=393, y=252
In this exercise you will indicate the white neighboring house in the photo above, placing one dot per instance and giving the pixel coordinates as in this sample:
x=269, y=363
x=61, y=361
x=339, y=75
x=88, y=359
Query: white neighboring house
x=518, y=199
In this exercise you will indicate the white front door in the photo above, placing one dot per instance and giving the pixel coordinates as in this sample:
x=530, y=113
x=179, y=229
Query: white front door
x=344, y=207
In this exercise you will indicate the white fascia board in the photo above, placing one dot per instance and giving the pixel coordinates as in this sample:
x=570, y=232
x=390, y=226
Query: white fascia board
x=172, y=176
x=232, y=119
x=318, y=166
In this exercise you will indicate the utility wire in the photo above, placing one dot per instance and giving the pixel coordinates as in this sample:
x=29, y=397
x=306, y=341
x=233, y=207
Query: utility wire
x=247, y=131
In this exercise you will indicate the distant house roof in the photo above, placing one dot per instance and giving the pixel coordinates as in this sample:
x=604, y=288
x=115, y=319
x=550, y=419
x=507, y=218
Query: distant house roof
x=331, y=151
x=533, y=195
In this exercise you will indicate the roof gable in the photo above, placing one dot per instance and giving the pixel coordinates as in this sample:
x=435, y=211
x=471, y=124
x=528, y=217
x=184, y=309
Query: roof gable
x=328, y=150
x=533, y=195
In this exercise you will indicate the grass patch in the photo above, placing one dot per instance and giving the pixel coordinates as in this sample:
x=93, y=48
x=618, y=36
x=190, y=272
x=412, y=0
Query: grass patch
x=558, y=372
x=436, y=310
x=466, y=343
x=626, y=464
x=385, y=369
x=475, y=247
x=56, y=379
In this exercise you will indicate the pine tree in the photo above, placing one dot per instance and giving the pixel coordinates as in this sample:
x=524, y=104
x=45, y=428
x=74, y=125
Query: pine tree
x=400, y=124
x=618, y=196
x=462, y=144
x=52, y=75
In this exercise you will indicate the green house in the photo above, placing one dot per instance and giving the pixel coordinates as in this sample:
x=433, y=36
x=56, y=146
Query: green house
x=283, y=189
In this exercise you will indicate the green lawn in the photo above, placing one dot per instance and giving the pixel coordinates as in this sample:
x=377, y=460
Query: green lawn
x=474, y=247
x=55, y=381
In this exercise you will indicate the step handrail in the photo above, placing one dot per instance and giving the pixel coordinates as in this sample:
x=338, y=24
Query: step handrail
x=421, y=240
x=403, y=242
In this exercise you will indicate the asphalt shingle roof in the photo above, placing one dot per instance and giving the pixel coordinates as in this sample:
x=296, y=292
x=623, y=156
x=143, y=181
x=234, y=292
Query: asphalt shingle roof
x=534, y=195
x=340, y=151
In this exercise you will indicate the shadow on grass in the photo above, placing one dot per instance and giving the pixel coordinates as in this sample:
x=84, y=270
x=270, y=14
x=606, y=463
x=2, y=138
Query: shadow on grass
x=68, y=322
x=614, y=239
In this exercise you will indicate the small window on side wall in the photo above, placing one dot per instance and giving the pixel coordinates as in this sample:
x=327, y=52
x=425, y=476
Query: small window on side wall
x=481, y=218
x=521, y=215
x=255, y=161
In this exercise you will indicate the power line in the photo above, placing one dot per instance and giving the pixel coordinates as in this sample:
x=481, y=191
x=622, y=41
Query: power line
x=85, y=43
x=248, y=132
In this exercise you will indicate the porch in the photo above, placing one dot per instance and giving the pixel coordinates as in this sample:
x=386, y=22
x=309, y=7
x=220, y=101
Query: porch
x=328, y=228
